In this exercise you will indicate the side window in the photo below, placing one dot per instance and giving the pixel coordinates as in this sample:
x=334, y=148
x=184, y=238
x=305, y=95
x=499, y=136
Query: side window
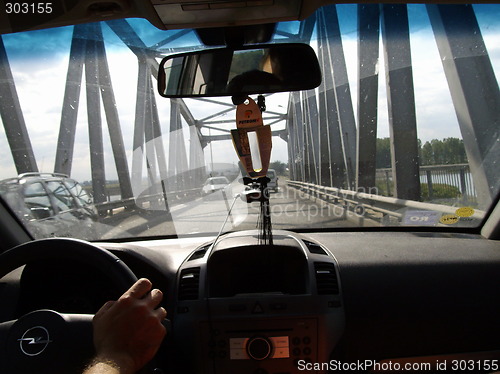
x=63, y=199
x=77, y=190
x=37, y=201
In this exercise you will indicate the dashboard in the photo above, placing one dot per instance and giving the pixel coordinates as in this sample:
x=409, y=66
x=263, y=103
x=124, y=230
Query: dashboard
x=240, y=307
x=262, y=307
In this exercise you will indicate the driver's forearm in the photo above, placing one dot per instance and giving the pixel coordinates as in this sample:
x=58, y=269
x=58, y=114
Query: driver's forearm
x=103, y=366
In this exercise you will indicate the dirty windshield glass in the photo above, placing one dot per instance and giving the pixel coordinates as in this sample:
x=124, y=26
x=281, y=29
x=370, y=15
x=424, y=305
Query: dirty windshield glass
x=402, y=131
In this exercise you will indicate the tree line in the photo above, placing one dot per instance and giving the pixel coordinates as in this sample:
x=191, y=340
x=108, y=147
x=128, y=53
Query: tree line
x=448, y=151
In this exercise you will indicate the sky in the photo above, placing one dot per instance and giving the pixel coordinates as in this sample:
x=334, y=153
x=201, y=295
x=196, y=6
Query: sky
x=39, y=63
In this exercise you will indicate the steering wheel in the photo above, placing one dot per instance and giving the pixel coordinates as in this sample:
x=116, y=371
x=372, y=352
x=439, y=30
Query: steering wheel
x=45, y=341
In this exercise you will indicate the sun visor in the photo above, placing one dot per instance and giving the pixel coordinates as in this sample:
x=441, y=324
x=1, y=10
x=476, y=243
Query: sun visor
x=199, y=13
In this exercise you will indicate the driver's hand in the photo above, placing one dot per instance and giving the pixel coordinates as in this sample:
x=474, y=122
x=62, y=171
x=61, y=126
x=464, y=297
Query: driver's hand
x=128, y=332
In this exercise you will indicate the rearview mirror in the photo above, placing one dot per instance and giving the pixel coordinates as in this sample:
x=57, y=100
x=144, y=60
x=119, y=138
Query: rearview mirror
x=247, y=70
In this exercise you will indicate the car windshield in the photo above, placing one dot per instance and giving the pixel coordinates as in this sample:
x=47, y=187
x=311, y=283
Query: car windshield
x=402, y=132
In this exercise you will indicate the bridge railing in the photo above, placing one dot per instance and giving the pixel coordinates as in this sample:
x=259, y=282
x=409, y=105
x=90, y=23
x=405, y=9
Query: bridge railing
x=439, y=183
x=153, y=201
x=379, y=209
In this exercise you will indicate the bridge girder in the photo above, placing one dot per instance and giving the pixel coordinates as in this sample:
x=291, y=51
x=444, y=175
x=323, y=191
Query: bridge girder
x=474, y=91
x=13, y=119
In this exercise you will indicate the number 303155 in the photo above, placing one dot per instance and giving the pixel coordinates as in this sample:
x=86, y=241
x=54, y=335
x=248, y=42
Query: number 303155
x=28, y=8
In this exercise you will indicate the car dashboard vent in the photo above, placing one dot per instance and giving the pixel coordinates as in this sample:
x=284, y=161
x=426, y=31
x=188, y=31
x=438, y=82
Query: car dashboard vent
x=199, y=253
x=326, y=278
x=189, y=284
x=315, y=248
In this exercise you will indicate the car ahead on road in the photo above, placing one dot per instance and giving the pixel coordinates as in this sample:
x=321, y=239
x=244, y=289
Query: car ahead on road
x=385, y=251
x=273, y=180
x=214, y=184
x=50, y=203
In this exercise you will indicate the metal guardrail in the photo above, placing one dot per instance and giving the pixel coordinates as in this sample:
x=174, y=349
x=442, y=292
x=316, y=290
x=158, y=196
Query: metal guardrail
x=375, y=207
x=438, y=182
x=154, y=201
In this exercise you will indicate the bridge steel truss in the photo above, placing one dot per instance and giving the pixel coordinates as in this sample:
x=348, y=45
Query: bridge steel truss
x=325, y=146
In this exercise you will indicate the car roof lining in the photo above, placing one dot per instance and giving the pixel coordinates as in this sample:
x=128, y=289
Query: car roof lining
x=71, y=12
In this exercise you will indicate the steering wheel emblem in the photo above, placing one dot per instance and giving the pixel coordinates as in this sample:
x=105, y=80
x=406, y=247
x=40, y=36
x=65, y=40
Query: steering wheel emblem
x=34, y=341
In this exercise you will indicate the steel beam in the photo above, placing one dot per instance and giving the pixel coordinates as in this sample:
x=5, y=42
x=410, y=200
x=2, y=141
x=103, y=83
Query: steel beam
x=158, y=144
x=277, y=133
x=474, y=91
x=332, y=165
x=13, y=120
x=67, y=130
x=196, y=159
x=98, y=84
x=149, y=138
x=178, y=169
x=170, y=39
x=203, y=120
x=97, y=73
x=302, y=157
x=177, y=156
x=343, y=99
x=186, y=113
x=94, y=118
x=401, y=102
x=156, y=131
x=306, y=29
x=311, y=125
x=325, y=164
x=145, y=107
x=147, y=133
x=128, y=36
x=212, y=101
x=112, y=119
x=368, y=58
x=138, y=143
x=197, y=171
x=280, y=117
x=291, y=146
x=153, y=146
x=292, y=139
x=299, y=131
x=306, y=156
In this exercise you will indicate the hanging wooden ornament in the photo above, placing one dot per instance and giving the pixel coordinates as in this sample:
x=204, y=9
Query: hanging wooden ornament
x=252, y=141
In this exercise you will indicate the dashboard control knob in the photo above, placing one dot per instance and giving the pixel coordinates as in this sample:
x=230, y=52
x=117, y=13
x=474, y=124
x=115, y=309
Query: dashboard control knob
x=259, y=348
